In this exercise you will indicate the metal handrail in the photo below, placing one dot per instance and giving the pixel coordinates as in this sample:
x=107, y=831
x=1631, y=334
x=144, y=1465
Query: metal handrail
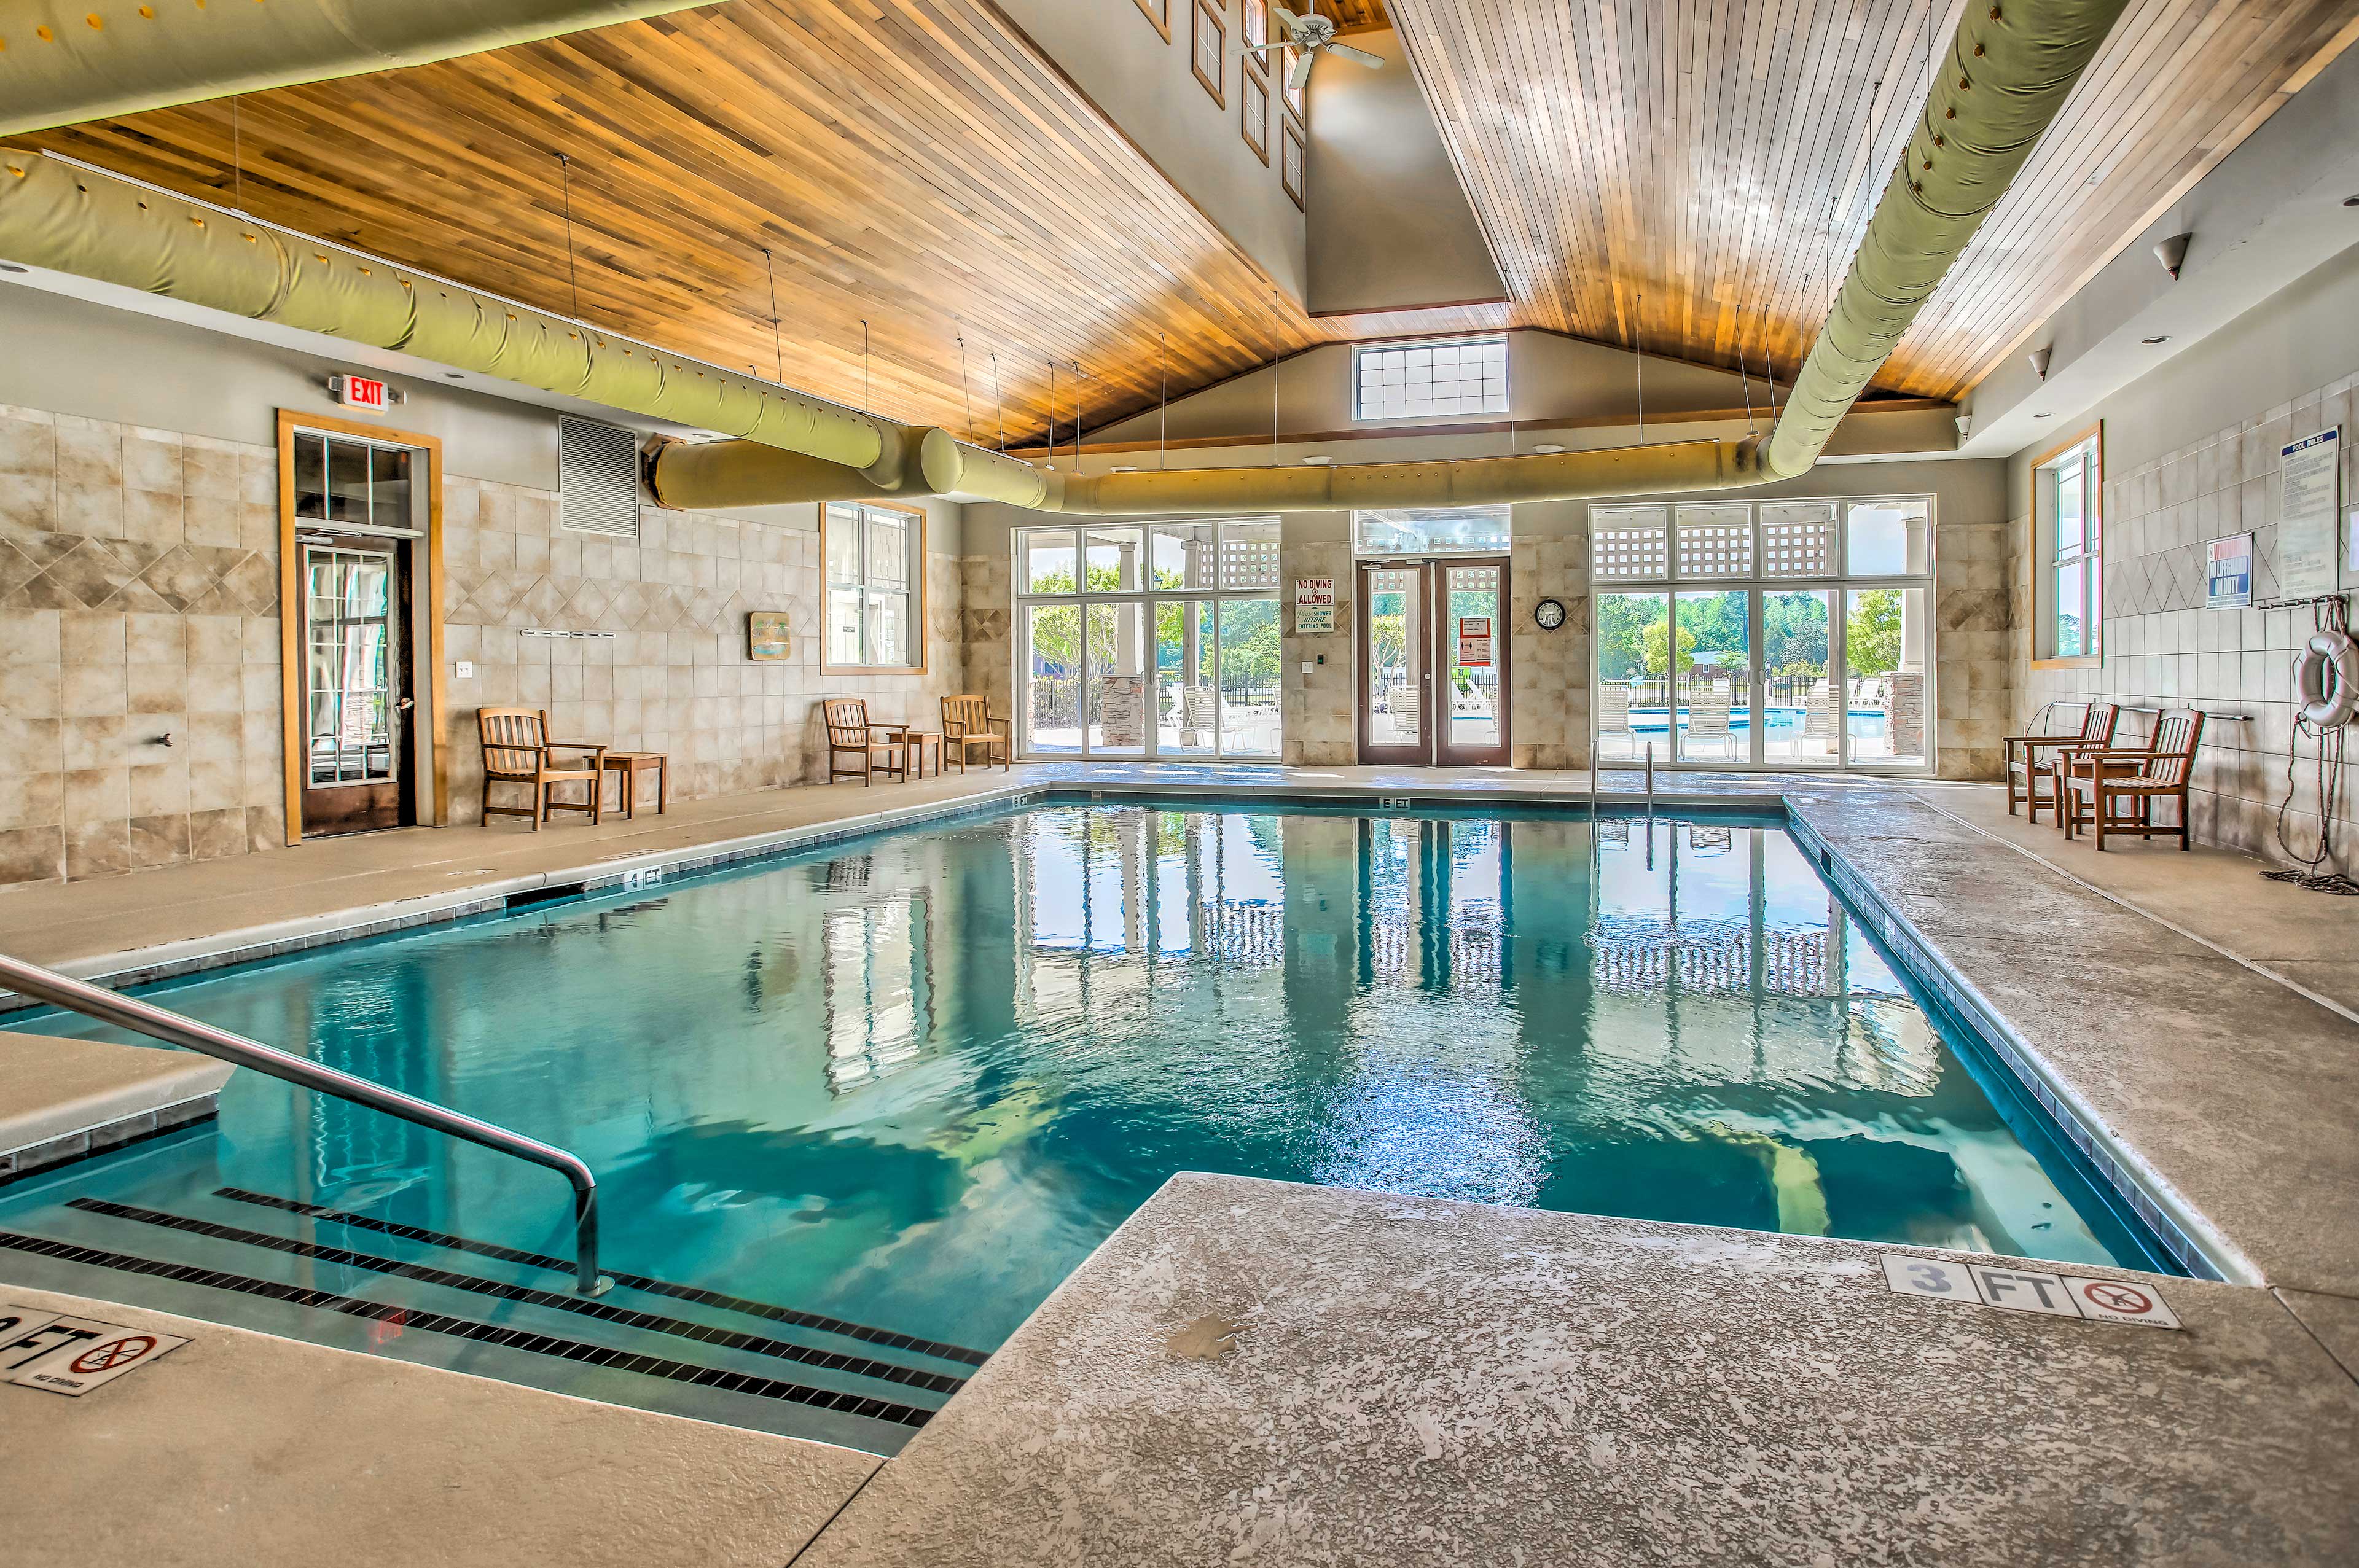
x=145, y=1018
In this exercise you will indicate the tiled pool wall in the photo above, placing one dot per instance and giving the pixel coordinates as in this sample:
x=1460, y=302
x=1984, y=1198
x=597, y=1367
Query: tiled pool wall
x=2126, y=1178
x=2114, y=1163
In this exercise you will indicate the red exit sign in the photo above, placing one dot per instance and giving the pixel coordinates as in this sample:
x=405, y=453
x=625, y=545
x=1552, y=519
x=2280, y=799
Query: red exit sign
x=358, y=392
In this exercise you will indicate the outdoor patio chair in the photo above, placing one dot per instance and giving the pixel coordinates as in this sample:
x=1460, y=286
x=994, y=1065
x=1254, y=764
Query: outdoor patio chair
x=848, y=733
x=2030, y=760
x=517, y=751
x=1708, y=713
x=967, y=724
x=2118, y=786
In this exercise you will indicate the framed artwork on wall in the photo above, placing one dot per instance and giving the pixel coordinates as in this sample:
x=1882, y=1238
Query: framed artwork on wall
x=1209, y=59
x=1252, y=114
x=768, y=635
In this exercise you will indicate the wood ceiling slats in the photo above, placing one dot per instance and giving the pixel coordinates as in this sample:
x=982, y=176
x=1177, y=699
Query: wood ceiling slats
x=1720, y=158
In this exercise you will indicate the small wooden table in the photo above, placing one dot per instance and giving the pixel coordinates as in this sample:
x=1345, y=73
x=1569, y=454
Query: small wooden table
x=627, y=764
x=913, y=751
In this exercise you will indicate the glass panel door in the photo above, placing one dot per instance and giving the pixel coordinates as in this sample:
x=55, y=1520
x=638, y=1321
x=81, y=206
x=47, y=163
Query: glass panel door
x=1249, y=661
x=1633, y=676
x=1114, y=683
x=1473, y=652
x=1051, y=679
x=1395, y=671
x=1711, y=665
x=1802, y=706
x=1186, y=694
x=1883, y=646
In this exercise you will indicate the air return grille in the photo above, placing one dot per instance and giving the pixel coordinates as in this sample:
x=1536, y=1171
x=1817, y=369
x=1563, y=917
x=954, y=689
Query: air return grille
x=598, y=481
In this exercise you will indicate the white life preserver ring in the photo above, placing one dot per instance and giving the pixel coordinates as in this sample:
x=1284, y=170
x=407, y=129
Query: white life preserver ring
x=2325, y=706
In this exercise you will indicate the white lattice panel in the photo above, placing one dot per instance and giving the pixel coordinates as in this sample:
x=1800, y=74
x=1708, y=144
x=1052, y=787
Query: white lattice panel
x=1800, y=539
x=1249, y=554
x=1715, y=541
x=1628, y=543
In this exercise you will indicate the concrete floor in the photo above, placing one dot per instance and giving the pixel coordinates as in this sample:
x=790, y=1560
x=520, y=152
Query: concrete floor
x=1455, y=1383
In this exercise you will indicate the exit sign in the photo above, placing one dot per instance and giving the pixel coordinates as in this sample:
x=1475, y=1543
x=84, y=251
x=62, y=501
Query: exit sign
x=358, y=392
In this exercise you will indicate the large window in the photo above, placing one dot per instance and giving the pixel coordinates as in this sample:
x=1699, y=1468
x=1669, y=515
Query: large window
x=875, y=588
x=1780, y=633
x=1427, y=380
x=2067, y=519
x=1148, y=640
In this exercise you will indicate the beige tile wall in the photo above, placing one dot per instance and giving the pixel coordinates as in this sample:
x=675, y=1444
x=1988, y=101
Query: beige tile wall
x=1974, y=702
x=1549, y=671
x=138, y=600
x=2162, y=648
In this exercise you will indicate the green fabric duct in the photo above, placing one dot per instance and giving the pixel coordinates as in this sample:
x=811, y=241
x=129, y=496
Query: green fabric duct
x=2009, y=69
x=55, y=215
x=61, y=64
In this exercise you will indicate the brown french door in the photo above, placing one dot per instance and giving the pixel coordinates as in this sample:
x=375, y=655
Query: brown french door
x=1433, y=662
x=356, y=676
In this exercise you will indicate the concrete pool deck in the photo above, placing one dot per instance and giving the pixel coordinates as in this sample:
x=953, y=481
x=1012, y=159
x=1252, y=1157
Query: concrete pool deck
x=2194, y=1019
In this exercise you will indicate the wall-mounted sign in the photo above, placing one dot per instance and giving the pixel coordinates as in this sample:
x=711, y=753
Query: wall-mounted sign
x=1314, y=604
x=359, y=391
x=2228, y=572
x=2310, y=473
x=1473, y=641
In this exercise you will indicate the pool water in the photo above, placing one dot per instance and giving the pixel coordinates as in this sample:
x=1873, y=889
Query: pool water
x=911, y=1082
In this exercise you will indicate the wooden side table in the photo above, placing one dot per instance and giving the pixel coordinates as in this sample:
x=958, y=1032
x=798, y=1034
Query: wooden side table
x=913, y=751
x=628, y=765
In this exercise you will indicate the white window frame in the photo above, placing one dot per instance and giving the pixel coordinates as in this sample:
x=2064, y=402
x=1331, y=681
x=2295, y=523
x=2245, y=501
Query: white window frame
x=914, y=521
x=1147, y=599
x=1363, y=354
x=1838, y=583
x=2085, y=454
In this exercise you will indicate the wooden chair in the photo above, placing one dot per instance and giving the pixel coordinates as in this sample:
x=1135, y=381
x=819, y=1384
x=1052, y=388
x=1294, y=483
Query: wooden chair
x=2027, y=768
x=2138, y=777
x=517, y=751
x=849, y=732
x=967, y=723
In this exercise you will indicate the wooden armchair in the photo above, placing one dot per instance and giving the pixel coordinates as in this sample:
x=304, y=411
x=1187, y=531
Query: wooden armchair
x=848, y=733
x=2028, y=767
x=967, y=724
x=2114, y=790
x=517, y=751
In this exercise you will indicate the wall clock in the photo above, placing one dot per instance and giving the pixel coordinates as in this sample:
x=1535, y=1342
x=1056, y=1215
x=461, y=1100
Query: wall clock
x=1548, y=613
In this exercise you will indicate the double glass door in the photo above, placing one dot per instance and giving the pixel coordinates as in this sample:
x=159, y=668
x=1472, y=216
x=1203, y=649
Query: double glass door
x=1433, y=662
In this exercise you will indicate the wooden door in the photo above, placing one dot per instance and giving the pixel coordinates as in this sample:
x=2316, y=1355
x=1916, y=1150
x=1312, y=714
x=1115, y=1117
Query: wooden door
x=358, y=773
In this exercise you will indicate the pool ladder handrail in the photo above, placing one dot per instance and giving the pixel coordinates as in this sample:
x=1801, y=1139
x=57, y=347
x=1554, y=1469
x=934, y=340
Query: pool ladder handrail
x=158, y=1023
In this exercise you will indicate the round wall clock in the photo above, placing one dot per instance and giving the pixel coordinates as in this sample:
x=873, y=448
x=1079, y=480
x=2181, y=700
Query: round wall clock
x=1548, y=613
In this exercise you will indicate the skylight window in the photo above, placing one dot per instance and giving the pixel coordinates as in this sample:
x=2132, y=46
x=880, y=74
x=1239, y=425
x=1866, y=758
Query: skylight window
x=1430, y=380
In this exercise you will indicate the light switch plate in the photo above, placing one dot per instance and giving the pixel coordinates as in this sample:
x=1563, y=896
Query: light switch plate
x=466, y=670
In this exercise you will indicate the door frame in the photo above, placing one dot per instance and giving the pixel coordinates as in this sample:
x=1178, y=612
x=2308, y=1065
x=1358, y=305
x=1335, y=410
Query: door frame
x=431, y=695
x=1433, y=713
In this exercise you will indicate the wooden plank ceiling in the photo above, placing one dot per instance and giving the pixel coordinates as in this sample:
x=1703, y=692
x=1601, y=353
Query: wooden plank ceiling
x=915, y=164
x=1696, y=174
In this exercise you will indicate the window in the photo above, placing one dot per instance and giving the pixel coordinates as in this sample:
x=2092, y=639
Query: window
x=875, y=588
x=1253, y=112
x=1473, y=530
x=1254, y=22
x=1159, y=16
x=1290, y=171
x=1430, y=379
x=2066, y=507
x=1209, y=59
x=1287, y=56
x=1164, y=644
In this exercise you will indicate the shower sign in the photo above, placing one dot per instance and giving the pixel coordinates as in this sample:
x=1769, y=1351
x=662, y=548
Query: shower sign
x=1314, y=604
x=2028, y=1290
x=2309, y=475
x=1473, y=641
x=74, y=1354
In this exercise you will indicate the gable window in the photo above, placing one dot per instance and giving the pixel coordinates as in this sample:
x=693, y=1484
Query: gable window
x=1430, y=379
x=2069, y=538
x=875, y=559
x=1159, y=16
x=1255, y=25
x=1209, y=59
x=1252, y=101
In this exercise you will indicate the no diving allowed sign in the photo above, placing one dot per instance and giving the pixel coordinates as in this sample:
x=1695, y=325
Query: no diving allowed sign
x=2028, y=1290
x=72, y=1355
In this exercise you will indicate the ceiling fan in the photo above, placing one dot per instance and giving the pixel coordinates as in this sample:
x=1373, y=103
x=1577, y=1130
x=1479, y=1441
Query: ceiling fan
x=1309, y=33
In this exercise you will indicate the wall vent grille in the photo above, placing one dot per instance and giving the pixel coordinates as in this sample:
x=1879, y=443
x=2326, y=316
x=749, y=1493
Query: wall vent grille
x=598, y=478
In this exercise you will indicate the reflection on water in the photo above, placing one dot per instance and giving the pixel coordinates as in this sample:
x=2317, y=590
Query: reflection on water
x=914, y=1082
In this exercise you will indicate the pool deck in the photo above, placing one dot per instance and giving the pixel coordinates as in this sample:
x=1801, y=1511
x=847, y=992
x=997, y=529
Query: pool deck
x=1445, y=1382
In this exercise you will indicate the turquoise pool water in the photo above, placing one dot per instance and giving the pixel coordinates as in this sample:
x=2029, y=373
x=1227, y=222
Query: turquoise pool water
x=911, y=1082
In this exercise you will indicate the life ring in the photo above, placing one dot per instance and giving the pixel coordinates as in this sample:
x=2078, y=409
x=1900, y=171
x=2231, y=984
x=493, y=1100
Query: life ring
x=2324, y=707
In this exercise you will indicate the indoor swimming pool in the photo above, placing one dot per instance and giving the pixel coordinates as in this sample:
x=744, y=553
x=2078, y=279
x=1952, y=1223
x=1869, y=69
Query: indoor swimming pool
x=856, y=1111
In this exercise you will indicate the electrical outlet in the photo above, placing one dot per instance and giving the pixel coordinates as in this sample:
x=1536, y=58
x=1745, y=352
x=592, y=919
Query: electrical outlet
x=466, y=670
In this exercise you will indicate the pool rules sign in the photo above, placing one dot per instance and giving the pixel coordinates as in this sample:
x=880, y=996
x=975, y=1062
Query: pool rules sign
x=72, y=1355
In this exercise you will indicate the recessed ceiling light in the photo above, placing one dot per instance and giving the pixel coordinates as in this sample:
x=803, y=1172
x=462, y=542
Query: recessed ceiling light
x=2161, y=338
x=12, y=266
x=1546, y=448
x=2351, y=201
x=1319, y=460
x=2043, y=415
x=452, y=375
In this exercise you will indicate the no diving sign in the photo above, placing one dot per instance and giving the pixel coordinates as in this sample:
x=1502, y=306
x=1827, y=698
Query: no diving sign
x=74, y=1354
x=2028, y=1290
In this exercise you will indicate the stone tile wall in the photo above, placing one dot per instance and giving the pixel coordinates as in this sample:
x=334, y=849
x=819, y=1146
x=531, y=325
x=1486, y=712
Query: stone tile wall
x=1319, y=712
x=1549, y=672
x=1974, y=694
x=138, y=600
x=2162, y=648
